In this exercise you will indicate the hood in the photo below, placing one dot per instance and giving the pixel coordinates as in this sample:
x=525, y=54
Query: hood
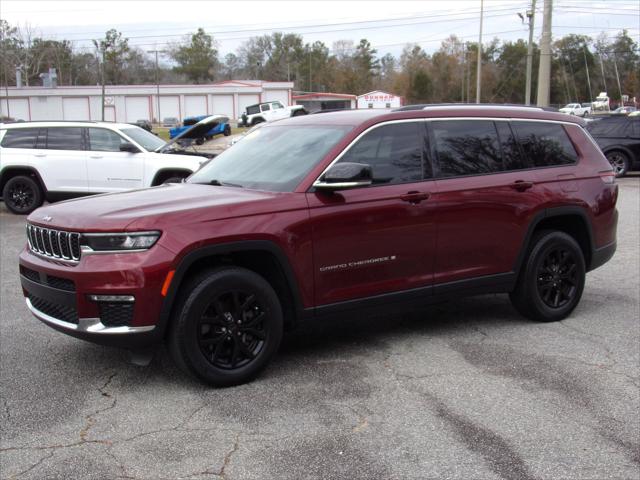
x=158, y=207
x=198, y=130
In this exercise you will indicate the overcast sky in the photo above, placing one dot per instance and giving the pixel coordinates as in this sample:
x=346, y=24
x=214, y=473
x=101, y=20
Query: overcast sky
x=388, y=25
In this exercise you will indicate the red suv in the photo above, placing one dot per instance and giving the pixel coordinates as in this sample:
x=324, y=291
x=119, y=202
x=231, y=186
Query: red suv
x=352, y=212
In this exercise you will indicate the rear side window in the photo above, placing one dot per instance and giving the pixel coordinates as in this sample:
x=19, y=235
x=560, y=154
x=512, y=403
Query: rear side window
x=545, y=144
x=394, y=152
x=265, y=107
x=466, y=147
x=253, y=109
x=512, y=158
x=65, y=138
x=20, y=138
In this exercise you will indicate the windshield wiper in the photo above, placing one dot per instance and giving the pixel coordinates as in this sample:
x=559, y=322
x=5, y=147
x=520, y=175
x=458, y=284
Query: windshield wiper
x=218, y=183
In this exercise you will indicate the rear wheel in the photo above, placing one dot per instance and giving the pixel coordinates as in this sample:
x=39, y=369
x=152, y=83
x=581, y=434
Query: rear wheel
x=227, y=327
x=552, y=280
x=22, y=194
x=227, y=130
x=297, y=113
x=620, y=163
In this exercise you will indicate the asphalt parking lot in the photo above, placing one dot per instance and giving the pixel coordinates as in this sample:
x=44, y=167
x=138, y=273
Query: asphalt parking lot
x=463, y=390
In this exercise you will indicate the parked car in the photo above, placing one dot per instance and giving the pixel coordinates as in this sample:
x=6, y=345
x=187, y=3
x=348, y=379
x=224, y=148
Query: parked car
x=626, y=110
x=354, y=212
x=170, y=122
x=268, y=112
x=59, y=160
x=144, y=124
x=577, y=109
x=222, y=127
x=619, y=138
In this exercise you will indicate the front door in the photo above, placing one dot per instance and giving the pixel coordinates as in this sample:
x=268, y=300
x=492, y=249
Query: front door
x=381, y=238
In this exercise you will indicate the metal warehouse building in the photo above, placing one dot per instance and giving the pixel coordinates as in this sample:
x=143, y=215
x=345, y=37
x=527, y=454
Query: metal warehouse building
x=128, y=103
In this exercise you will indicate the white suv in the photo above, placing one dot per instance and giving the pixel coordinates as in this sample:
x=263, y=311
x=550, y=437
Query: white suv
x=268, y=112
x=58, y=160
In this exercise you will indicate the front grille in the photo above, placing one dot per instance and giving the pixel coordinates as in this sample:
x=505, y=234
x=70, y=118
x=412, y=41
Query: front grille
x=55, y=310
x=30, y=274
x=116, y=314
x=54, y=243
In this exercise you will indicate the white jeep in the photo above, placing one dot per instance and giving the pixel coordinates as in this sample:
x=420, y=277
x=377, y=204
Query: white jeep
x=60, y=160
x=267, y=112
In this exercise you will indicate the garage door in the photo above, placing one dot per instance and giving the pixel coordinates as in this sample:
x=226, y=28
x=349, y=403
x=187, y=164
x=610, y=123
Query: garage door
x=18, y=109
x=245, y=100
x=136, y=108
x=75, y=108
x=223, y=105
x=170, y=107
x=110, y=113
x=195, y=105
x=274, y=95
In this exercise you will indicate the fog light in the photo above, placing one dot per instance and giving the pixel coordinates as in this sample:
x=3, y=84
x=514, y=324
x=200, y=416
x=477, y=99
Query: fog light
x=112, y=298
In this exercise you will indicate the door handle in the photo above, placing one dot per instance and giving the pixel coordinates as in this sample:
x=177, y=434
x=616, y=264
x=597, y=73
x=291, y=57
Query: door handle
x=95, y=156
x=40, y=154
x=521, y=185
x=415, y=197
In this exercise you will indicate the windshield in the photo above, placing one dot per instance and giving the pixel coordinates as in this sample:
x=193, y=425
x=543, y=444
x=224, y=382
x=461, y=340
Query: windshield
x=147, y=140
x=274, y=158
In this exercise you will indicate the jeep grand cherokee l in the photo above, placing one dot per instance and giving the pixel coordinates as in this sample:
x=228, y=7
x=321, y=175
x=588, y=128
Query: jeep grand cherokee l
x=352, y=212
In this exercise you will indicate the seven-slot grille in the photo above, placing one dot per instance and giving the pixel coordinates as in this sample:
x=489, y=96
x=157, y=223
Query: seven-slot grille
x=54, y=243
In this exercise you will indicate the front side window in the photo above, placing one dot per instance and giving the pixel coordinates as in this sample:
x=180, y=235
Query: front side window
x=65, y=138
x=20, y=138
x=103, y=140
x=394, y=152
x=466, y=147
x=274, y=158
x=545, y=144
x=277, y=105
x=511, y=155
x=147, y=140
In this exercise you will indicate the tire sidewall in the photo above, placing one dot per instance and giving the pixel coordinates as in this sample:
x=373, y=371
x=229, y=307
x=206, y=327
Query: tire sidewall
x=213, y=285
x=541, y=248
x=625, y=159
x=37, y=194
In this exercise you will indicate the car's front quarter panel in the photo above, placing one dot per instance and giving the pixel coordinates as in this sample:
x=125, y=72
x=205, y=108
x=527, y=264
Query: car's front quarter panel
x=155, y=162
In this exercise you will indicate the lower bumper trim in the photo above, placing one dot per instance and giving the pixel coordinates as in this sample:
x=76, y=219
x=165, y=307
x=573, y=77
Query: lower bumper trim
x=86, y=325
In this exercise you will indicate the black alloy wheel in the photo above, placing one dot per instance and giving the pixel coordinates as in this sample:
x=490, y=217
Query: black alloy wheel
x=227, y=326
x=231, y=330
x=557, y=277
x=551, y=279
x=22, y=195
x=619, y=162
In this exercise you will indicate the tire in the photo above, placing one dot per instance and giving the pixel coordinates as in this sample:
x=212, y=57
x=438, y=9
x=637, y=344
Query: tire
x=22, y=194
x=619, y=161
x=256, y=121
x=227, y=131
x=199, y=141
x=552, y=278
x=218, y=324
x=298, y=113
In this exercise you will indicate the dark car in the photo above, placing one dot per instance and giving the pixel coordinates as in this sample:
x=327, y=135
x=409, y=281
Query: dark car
x=144, y=124
x=619, y=138
x=351, y=213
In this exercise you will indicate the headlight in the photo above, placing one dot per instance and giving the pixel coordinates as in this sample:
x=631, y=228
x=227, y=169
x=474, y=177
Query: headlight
x=120, y=241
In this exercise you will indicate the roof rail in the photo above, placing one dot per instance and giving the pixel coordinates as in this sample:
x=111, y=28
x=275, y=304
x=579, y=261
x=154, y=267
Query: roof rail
x=424, y=106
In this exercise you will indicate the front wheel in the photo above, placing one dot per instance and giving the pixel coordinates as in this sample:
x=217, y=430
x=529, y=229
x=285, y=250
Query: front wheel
x=619, y=162
x=227, y=327
x=552, y=278
x=227, y=131
x=22, y=195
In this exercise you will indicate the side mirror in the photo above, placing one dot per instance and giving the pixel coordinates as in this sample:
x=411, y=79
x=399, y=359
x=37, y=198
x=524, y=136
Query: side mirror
x=345, y=175
x=129, y=147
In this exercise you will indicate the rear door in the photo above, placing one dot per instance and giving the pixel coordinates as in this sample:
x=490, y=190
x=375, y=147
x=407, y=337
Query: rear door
x=486, y=197
x=381, y=238
x=109, y=169
x=61, y=159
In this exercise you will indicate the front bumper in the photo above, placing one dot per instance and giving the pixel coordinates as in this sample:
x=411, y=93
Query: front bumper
x=63, y=296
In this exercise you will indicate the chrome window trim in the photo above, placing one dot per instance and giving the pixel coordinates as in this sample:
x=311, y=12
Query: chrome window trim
x=86, y=325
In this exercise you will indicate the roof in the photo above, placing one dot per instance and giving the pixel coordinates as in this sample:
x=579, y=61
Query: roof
x=371, y=116
x=319, y=95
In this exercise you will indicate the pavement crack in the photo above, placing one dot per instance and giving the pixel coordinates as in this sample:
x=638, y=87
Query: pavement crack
x=227, y=458
x=35, y=465
x=91, y=418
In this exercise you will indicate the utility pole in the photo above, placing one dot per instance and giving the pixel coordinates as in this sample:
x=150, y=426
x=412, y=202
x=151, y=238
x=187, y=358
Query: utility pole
x=102, y=71
x=309, y=70
x=479, y=69
x=157, y=83
x=615, y=66
x=604, y=79
x=544, y=72
x=530, y=15
x=586, y=67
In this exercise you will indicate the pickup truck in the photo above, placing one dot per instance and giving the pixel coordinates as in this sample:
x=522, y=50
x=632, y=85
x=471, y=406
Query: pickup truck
x=577, y=109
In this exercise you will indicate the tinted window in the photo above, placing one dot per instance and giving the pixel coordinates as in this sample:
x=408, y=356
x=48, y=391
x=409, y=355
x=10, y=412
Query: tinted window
x=253, y=109
x=265, y=107
x=511, y=155
x=545, y=144
x=65, y=138
x=395, y=153
x=103, y=140
x=20, y=138
x=467, y=147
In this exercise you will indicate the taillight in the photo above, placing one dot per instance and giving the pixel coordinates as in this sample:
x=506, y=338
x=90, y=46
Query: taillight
x=608, y=176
